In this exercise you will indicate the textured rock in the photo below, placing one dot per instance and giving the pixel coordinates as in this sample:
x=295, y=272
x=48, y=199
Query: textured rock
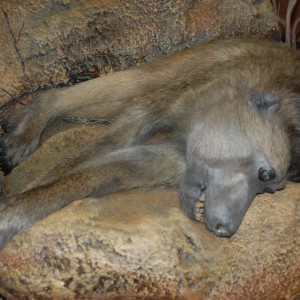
x=137, y=244
x=140, y=244
x=63, y=41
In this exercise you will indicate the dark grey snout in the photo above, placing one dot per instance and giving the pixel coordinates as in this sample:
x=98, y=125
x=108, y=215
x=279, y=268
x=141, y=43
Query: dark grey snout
x=224, y=218
x=226, y=207
x=221, y=229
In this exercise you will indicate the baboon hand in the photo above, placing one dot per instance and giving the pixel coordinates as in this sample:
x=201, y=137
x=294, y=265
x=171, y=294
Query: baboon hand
x=21, y=137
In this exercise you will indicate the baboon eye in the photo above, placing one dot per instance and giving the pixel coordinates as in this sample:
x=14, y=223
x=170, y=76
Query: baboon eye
x=266, y=175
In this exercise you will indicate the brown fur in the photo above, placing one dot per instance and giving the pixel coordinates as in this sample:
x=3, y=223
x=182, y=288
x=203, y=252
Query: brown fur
x=172, y=95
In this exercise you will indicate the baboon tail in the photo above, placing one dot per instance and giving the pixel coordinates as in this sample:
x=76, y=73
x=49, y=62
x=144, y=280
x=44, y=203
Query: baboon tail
x=127, y=168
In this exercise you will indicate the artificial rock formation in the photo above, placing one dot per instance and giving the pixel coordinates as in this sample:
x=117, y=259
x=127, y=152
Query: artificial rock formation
x=136, y=244
x=52, y=43
x=140, y=244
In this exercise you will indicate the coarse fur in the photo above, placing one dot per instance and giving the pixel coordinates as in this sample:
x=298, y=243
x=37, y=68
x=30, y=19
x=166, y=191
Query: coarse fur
x=230, y=114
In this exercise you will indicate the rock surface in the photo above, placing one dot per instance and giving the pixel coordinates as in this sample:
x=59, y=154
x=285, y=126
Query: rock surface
x=45, y=43
x=140, y=245
x=137, y=244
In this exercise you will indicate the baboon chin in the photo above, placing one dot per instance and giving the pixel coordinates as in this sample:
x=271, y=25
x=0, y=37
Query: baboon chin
x=230, y=116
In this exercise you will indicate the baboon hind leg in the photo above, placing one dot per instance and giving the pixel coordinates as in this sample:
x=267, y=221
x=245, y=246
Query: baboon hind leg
x=22, y=138
x=133, y=167
x=103, y=98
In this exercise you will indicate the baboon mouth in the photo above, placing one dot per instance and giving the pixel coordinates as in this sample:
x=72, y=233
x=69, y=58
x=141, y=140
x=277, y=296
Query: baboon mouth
x=200, y=208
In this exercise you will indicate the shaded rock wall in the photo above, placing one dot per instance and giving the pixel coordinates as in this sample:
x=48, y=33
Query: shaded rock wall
x=63, y=41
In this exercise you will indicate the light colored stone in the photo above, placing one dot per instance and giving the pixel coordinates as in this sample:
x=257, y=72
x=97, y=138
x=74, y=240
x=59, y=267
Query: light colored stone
x=140, y=244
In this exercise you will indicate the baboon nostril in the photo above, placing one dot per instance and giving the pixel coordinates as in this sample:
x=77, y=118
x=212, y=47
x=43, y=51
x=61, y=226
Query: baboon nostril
x=221, y=230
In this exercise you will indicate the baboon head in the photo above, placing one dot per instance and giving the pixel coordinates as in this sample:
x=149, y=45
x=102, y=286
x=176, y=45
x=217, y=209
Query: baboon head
x=235, y=150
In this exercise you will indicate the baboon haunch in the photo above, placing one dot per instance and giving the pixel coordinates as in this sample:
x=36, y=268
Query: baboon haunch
x=229, y=112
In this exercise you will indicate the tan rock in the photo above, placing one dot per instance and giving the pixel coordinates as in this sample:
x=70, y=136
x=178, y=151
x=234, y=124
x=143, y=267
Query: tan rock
x=140, y=244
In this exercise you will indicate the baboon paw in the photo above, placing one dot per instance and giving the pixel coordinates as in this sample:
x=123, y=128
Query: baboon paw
x=21, y=137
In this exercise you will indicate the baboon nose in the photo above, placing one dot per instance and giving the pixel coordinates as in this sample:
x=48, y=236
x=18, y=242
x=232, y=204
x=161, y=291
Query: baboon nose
x=222, y=230
x=220, y=227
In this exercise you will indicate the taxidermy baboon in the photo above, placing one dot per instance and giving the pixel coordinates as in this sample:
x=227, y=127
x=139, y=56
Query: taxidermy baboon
x=229, y=115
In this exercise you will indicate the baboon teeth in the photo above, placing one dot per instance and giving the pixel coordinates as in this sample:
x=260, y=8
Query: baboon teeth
x=202, y=198
x=199, y=209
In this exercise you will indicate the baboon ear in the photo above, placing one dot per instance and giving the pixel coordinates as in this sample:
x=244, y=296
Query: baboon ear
x=263, y=102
